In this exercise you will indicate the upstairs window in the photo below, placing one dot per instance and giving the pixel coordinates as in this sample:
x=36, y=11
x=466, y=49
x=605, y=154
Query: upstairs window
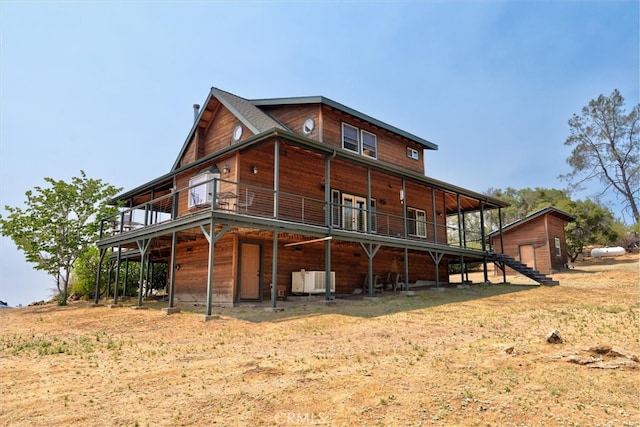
x=201, y=189
x=412, y=153
x=359, y=141
x=350, y=139
x=369, y=144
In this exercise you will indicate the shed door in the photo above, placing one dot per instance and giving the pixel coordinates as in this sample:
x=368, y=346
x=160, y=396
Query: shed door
x=249, y=271
x=527, y=256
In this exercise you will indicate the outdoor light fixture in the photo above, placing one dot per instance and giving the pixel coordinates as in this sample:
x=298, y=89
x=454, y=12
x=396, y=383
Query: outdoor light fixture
x=254, y=169
x=226, y=169
x=401, y=196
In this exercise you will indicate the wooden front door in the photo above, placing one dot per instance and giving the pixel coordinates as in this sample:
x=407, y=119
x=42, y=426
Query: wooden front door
x=249, y=271
x=527, y=255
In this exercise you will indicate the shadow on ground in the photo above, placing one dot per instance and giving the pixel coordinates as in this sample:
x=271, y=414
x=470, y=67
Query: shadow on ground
x=355, y=305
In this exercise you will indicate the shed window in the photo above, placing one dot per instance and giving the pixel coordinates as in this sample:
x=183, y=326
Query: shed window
x=557, y=245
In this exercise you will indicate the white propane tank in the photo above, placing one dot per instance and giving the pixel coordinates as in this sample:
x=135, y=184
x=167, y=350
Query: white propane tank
x=612, y=251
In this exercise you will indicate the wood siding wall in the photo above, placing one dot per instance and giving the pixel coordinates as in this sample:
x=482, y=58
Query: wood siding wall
x=191, y=278
x=391, y=148
x=293, y=117
x=539, y=232
x=349, y=262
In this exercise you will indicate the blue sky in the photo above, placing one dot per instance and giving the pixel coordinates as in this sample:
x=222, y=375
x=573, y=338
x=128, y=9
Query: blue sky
x=108, y=87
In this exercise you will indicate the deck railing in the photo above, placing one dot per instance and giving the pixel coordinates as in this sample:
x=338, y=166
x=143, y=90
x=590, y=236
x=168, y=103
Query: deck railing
x=255, y=201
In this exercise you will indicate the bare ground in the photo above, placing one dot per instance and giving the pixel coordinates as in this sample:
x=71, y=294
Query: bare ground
x=473, y=356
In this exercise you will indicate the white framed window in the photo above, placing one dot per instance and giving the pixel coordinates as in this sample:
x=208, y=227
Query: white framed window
x=412, y=153
x=201, y=189
x=416, y=222
x=350, y=213
x=369, y=144
x=350, y=140
x=556, y=242
x=359, y=141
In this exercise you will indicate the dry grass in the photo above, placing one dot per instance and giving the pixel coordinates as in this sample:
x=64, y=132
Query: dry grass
x=460, y=357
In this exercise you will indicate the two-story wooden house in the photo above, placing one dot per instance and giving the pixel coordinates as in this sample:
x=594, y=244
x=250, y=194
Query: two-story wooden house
x=273, y=196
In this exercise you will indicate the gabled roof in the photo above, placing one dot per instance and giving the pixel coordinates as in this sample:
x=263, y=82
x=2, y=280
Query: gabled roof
x=549, y=210
x=248, y=114
x=326, y=101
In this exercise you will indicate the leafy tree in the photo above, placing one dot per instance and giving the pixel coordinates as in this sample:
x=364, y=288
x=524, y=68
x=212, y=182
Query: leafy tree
x=83, y=277
x=594, y=224
x=524, y=202
x=59, y=223
x=85, y=269
x=606, y=147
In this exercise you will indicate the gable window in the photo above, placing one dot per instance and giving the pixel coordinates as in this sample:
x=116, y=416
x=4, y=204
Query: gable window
x=557, y=245
x=201, y=188
x=359, y=141
x=416, y=222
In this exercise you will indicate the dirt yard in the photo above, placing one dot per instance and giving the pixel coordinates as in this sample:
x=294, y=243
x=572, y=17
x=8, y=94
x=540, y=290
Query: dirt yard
x=475, y=356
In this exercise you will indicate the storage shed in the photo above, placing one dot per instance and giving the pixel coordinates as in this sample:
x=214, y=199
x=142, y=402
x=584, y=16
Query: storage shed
x=538, y=240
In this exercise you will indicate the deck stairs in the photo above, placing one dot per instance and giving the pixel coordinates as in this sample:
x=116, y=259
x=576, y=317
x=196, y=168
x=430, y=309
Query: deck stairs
x=502, y=261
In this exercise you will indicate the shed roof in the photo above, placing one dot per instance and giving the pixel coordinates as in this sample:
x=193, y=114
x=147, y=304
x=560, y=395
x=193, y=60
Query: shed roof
x=545, y=211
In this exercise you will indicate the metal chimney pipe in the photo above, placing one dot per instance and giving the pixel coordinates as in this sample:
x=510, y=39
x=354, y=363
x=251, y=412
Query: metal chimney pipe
x=196, y=111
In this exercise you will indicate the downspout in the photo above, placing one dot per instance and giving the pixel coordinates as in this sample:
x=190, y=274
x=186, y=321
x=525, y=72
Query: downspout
x=329, y=225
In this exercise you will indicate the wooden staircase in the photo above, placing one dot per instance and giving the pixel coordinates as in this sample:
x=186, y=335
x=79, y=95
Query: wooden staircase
x=503, y=261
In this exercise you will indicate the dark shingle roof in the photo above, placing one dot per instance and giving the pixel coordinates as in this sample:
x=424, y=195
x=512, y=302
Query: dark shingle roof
x=250, y=115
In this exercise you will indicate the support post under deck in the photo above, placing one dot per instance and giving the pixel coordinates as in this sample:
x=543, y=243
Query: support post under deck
x=116, y=285
x=172, y=279
x=100, y=259
x=274, y=271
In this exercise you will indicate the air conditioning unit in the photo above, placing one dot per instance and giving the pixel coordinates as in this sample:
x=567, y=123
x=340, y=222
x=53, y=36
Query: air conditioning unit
x=310, y=282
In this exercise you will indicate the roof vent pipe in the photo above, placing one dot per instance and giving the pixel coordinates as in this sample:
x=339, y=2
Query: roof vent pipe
x=196, y=111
